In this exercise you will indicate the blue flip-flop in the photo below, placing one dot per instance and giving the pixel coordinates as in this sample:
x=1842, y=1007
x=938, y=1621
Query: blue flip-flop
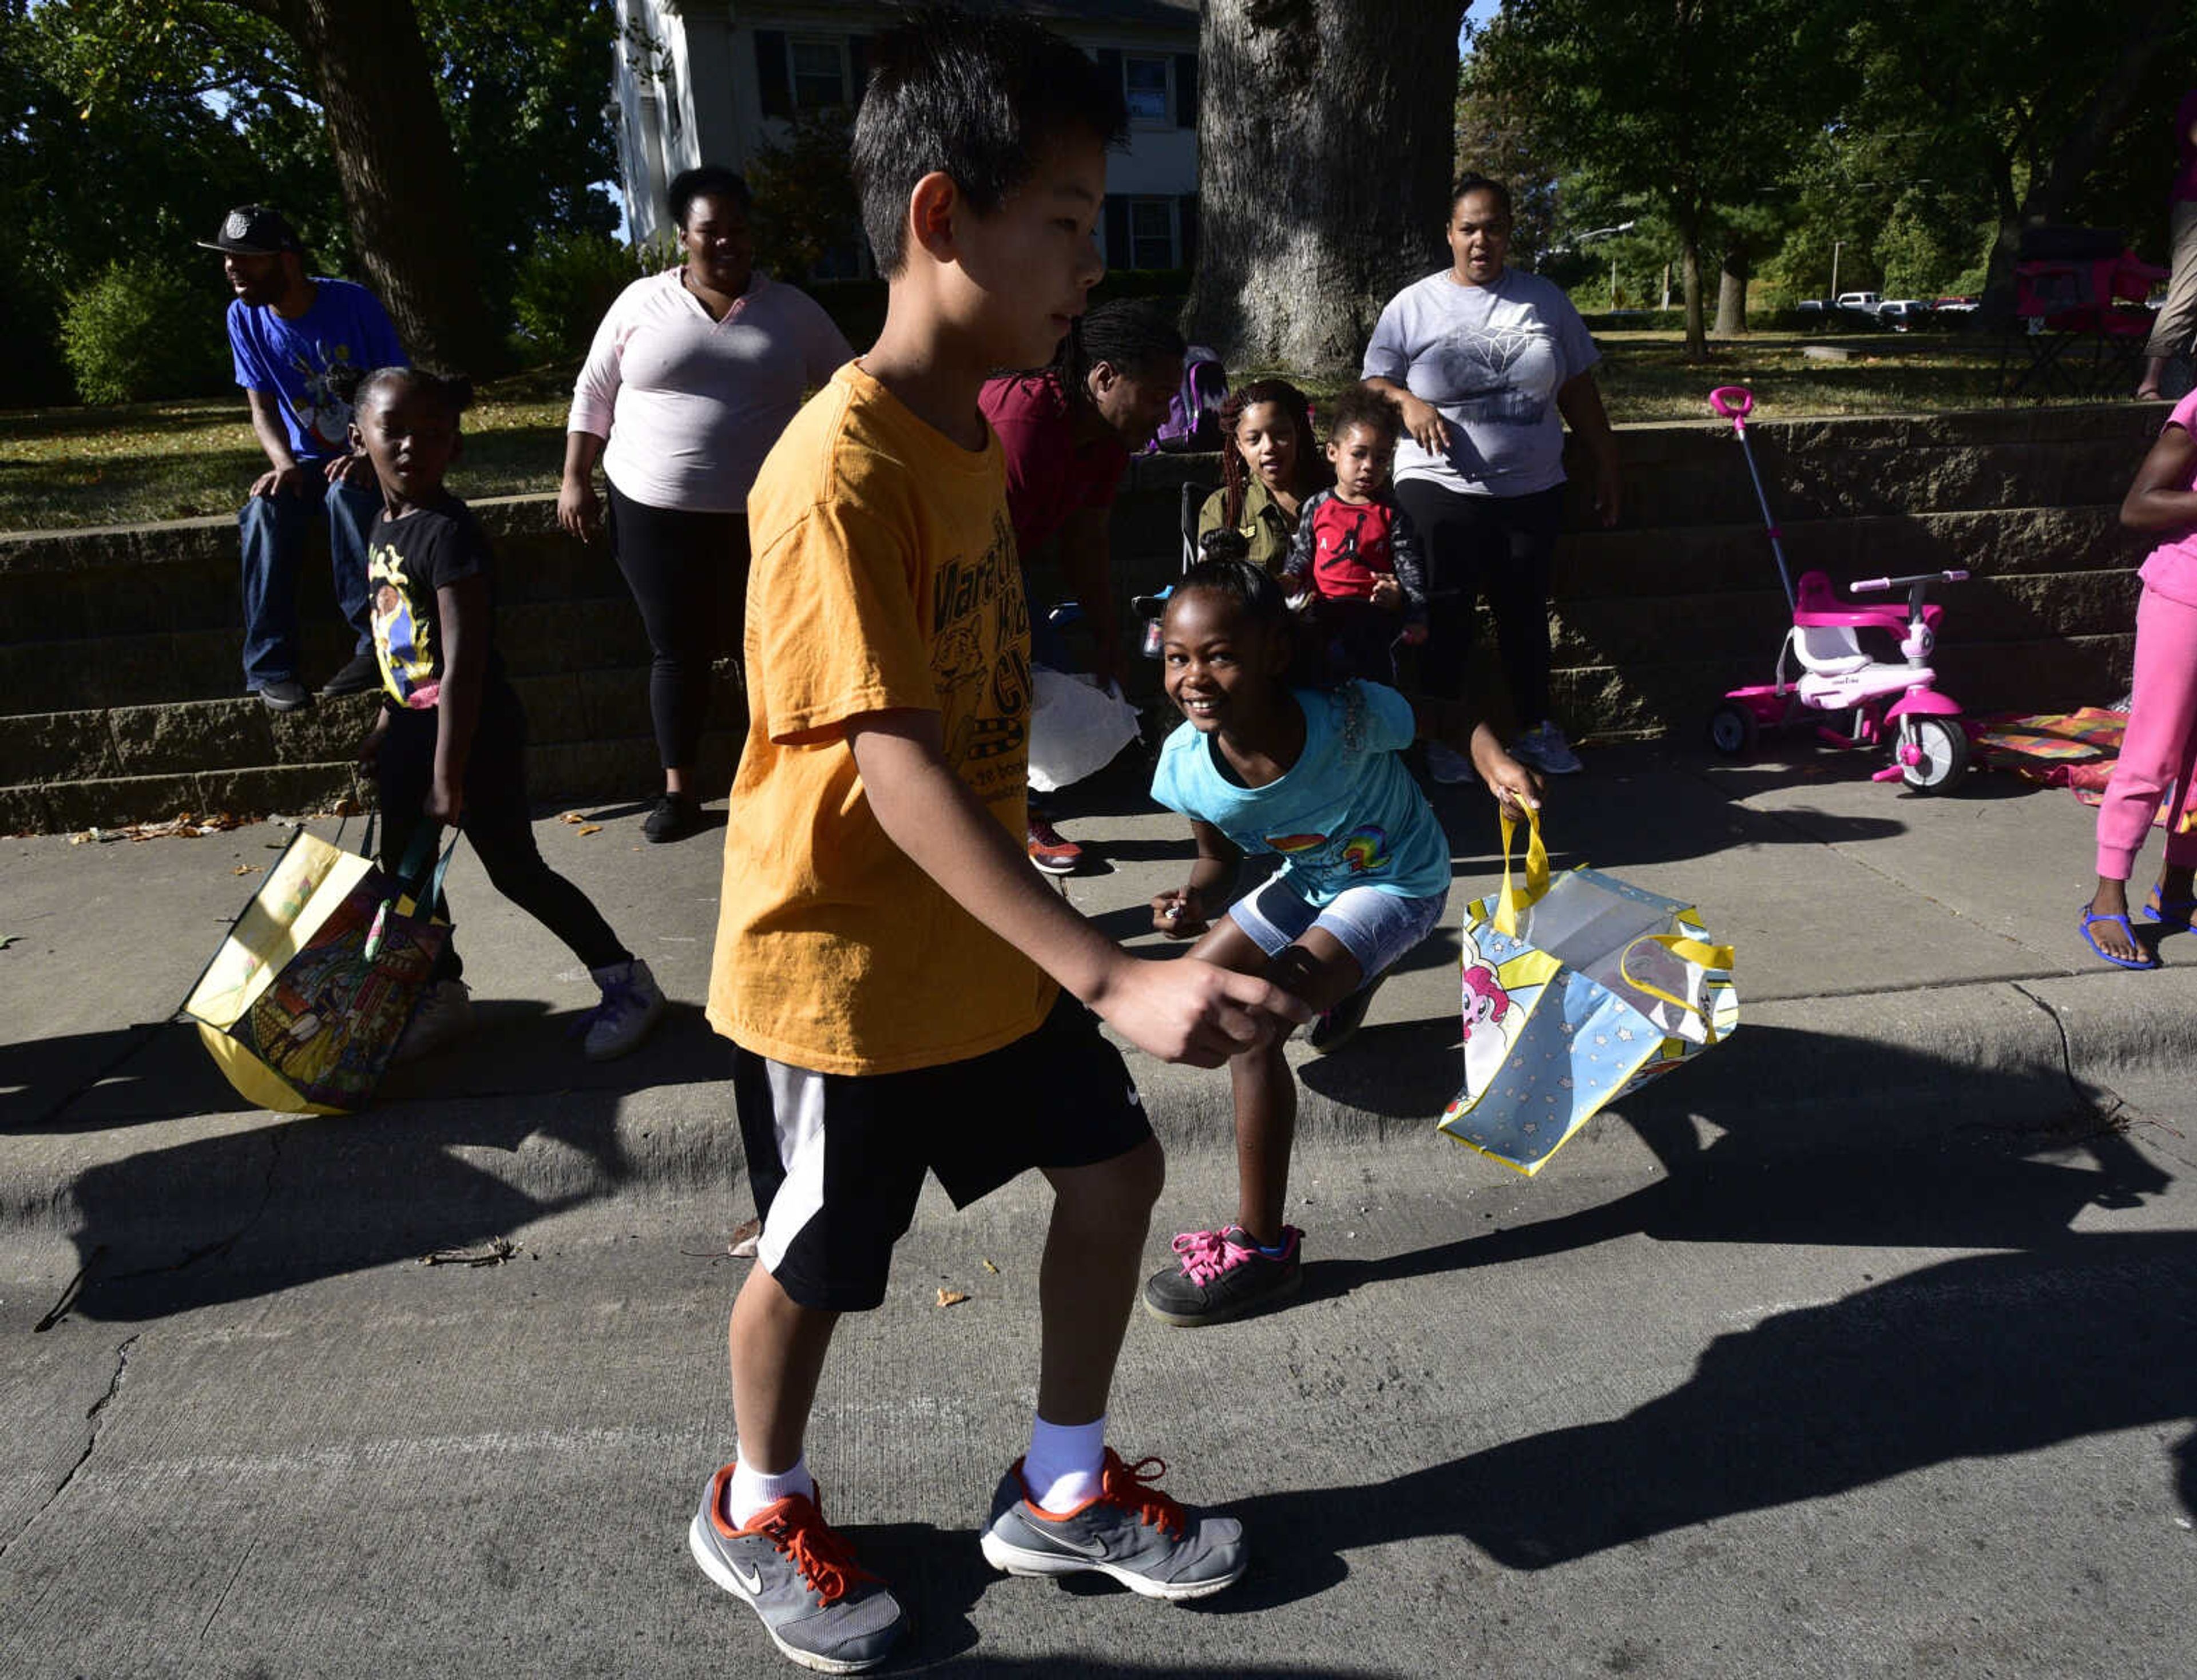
x=2168, y=913
x=2090, y=915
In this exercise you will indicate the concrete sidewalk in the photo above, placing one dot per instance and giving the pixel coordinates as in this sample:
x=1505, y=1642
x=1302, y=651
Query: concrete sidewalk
x=1903, y=962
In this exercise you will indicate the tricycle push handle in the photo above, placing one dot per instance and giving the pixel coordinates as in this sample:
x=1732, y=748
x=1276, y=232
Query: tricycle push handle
x=1733, y=402
x=1864, y=585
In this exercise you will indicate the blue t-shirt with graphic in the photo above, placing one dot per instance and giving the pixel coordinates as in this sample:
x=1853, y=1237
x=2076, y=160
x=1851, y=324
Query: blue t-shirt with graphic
x=344, y=327
x=1345, y=814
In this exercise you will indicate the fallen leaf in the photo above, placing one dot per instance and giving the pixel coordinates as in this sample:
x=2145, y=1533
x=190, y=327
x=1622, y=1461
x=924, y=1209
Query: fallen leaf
x=990, y=1267
x=569, y=816
x=247, y=869
x=6, y=939
x=587, y=828
x=951, y=1297
x=744, y=1237
x=494, y=1254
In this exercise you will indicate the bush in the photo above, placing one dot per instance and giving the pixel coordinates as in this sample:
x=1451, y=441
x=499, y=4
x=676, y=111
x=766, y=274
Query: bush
x=142, y=330
x=563, y=286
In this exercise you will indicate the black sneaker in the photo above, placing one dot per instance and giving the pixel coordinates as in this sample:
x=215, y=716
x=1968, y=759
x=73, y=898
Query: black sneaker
x=361, y=674
x=1222, y=1274
x=1332, y=1028
x=673, y=817
x=284, y=695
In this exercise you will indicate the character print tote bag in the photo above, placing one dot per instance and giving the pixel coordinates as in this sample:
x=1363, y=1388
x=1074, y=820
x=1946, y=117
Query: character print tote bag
x=317, y=978
x=1575, y=992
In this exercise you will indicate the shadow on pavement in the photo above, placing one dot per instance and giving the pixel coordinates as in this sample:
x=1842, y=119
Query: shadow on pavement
x=1981, y=1357
x=2067, y=1336
x=255, y=1211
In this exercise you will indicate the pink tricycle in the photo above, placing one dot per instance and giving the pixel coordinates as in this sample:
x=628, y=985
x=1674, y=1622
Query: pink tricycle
x=1830, y=670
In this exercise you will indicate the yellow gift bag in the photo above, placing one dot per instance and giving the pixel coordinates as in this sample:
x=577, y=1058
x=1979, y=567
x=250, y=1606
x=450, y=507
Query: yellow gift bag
x=1576, y=992
x=317, y=979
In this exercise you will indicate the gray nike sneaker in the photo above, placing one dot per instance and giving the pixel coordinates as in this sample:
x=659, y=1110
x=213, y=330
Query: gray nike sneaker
x=819, y=1606
x=1129, y=1530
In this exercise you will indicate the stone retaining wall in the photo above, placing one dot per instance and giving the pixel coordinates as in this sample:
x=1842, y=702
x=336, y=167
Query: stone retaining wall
x=119, y=679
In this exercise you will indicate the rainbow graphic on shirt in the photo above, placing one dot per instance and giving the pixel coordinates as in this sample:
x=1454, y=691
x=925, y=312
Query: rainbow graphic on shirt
x=1366, y=848
x=1290, y=844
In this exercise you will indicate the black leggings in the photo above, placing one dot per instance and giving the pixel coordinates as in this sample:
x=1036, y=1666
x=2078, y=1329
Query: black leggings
x=1500, y=546
x=497, y=818
x=688, y=573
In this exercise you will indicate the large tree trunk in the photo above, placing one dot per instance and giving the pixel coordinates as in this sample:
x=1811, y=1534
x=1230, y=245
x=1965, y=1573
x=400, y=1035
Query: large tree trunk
x=1689, y=267
x=1731, y=293
x=399, y=176
x=2052, y=186
x=1324, y=159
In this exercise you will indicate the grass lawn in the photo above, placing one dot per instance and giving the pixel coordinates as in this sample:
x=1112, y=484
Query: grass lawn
x=171, y=460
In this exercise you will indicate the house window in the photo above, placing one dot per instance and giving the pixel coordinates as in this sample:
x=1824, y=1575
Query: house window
x=1145, y=85
x=819, y=74
x=1152, y=233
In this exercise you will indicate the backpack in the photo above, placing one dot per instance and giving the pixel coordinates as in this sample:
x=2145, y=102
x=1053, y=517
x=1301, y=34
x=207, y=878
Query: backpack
x=1193, y=421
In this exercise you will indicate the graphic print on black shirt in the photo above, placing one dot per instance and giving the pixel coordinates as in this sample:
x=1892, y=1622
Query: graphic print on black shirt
x=407, y=559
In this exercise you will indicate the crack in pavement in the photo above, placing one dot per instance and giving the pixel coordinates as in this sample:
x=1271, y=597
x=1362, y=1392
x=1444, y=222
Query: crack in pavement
x=92, y=1416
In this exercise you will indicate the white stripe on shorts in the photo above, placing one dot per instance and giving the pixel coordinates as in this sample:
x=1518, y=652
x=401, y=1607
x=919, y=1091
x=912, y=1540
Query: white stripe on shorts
x=797, y=1114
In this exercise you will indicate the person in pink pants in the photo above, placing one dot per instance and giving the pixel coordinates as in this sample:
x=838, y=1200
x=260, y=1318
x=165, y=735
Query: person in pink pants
x=2159, y=751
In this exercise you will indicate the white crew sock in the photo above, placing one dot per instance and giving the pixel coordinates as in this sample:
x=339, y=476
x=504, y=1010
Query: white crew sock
x=1061, y=1470
x=751, y=1490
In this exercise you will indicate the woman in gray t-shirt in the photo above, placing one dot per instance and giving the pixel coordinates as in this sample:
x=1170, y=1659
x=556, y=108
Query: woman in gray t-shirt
x=1487, y=364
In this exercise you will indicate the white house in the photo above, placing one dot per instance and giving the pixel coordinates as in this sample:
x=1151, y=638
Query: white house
x=717, y=83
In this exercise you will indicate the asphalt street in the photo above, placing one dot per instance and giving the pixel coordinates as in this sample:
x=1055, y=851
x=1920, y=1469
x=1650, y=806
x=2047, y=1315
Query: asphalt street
x=1863, y=1348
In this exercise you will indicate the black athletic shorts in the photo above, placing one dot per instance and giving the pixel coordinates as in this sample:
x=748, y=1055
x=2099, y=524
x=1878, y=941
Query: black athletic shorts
x=837, y=1160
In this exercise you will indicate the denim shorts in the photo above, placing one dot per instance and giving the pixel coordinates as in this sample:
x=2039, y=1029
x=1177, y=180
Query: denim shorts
x=1374, y=927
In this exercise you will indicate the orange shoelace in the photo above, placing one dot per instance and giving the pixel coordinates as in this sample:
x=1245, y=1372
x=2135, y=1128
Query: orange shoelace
x=818, y=1551
x=1131, y=1486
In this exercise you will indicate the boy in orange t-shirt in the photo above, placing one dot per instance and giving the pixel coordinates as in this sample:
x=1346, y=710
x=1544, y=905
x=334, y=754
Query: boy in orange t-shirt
x=902, y=986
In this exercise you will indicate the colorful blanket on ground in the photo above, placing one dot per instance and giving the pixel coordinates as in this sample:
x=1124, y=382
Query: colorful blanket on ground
x=2072, y=750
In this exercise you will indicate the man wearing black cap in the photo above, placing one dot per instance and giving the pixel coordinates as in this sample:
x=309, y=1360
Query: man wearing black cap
x=288, y=331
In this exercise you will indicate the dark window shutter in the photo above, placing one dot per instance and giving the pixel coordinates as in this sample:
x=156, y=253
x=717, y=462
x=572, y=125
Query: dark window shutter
x=776, y=85
x=1118, y=233
x=1110, y=60
x=1185, y=214
x=858, y=67
x=1185, y=90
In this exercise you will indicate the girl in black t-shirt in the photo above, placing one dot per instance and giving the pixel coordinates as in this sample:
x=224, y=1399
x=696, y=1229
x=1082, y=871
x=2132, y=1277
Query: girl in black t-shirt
x=449, y=744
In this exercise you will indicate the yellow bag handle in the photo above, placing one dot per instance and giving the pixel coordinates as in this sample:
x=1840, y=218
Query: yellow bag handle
x=1512, y=900
x=1697, y=951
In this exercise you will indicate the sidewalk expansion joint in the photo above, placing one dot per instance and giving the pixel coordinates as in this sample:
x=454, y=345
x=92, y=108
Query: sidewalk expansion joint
x=92, y=1417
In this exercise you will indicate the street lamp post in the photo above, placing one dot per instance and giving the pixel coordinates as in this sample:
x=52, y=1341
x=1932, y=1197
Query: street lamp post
x=1837, y=245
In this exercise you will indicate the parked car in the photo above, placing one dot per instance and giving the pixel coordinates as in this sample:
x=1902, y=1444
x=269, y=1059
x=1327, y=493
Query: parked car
x=1812, y=306
x=1956, y=305
x=1857, y=303
x=1902, y=315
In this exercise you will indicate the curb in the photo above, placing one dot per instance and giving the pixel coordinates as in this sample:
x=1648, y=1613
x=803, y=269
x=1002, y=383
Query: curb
x=2014, y=1057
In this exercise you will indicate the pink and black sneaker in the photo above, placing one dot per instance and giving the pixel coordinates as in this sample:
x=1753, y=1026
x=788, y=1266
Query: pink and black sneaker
x=1222, y=1274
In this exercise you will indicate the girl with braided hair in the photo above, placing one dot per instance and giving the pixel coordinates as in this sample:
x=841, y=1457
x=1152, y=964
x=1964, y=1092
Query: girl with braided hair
x=1269, y=465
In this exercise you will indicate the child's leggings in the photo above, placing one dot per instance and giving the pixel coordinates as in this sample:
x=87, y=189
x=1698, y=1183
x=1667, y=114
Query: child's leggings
x=2160, y=747
x=497, y=821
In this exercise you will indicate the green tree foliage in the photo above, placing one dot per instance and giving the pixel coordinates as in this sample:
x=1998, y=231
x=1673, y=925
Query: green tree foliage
x=805, y=205
x=142, y=330
x=149, y=118
x=1914, y=143
x=85, y=179
x=562, y=288
x=1691, y=109
x=523, y=85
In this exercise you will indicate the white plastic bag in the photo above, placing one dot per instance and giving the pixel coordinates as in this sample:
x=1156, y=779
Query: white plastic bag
x=1075, y=727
